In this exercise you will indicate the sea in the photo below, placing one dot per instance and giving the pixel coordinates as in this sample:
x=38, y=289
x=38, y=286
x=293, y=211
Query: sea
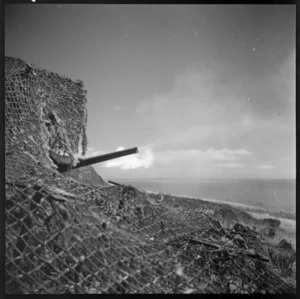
x=262, y=198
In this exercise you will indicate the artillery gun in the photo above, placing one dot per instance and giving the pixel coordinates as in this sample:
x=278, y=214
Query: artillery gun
x=65, y=164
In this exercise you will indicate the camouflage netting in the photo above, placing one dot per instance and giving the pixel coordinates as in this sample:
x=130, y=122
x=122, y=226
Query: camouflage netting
x=63, y=236
x=45, y=113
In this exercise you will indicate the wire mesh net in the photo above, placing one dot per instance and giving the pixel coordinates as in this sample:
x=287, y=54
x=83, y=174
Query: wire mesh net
x=63, y=236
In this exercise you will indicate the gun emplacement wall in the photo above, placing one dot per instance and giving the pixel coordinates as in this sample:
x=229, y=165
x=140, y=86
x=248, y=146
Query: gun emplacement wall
x=63, y=236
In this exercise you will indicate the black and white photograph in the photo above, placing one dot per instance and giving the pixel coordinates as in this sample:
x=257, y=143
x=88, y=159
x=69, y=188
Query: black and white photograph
x=150, y=148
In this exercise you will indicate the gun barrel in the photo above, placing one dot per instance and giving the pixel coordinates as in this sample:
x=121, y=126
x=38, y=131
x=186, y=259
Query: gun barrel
x=98, y=159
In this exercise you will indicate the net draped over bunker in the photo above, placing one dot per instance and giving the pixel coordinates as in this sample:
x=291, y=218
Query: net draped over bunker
x=63, y=236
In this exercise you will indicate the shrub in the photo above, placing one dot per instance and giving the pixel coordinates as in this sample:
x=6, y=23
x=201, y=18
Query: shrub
x=282, y=259
x=272, y=222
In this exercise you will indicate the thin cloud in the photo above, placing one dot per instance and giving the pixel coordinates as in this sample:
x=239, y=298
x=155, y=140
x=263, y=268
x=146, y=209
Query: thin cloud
x=228, y=155
x=144, y=159
x=230, y=165
x=263, y=166
x=209, y=156
x=287, y=158
x=117, y=108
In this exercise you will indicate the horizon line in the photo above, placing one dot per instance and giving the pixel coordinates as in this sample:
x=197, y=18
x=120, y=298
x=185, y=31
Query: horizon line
x=178, y=178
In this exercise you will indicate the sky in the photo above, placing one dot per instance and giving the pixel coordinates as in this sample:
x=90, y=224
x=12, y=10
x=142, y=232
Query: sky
x=203, y=91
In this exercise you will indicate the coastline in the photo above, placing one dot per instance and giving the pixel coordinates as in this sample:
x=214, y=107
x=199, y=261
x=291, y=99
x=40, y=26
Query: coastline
x=248, y=208
x=253, y=195
x=287, y=227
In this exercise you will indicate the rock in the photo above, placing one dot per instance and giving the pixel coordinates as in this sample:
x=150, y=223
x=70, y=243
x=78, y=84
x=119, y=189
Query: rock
x=239, y=228
x=268, y=232
x=271, y=222
x=239, y=241
x=285, y=245
x=188, y=291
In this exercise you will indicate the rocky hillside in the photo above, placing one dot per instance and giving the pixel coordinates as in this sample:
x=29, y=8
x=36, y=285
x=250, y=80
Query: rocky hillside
x=87, y=175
